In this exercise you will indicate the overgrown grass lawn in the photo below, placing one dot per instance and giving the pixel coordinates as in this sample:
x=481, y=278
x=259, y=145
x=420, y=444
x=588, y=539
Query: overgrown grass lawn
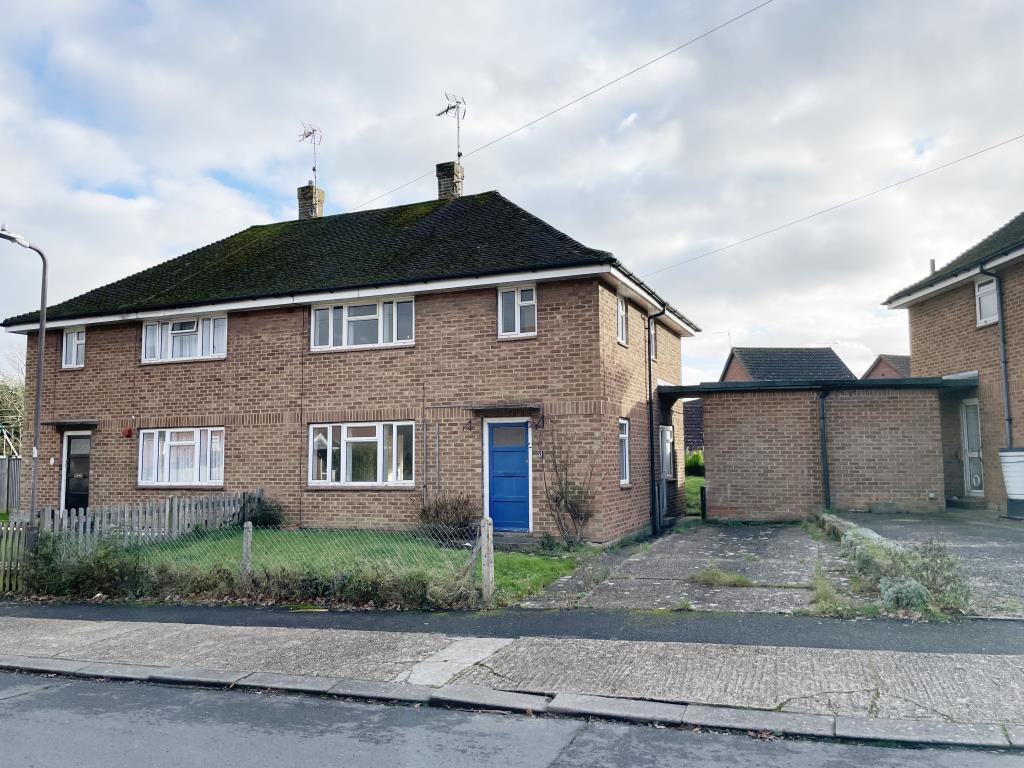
x=692, y=486
x=519, y=575
x=4, y=516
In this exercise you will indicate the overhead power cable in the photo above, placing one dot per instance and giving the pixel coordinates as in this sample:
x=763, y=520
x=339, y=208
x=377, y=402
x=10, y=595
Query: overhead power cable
x=575, y=101
x=835, y=207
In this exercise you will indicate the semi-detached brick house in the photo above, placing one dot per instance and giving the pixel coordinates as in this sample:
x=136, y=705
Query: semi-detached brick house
x=355, y=365
x=968, y=318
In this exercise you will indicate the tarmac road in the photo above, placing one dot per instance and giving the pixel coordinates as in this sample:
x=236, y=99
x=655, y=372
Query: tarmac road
x=53, y=721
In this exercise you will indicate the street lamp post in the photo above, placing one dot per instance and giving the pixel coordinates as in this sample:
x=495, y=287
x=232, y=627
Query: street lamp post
x=19, y=240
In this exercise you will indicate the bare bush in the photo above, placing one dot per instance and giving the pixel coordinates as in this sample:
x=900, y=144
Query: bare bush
x=568, y=475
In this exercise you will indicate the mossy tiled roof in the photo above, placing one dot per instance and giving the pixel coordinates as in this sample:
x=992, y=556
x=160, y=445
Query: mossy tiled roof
x=1007, y=238
x=434, y=240
x=784, y=363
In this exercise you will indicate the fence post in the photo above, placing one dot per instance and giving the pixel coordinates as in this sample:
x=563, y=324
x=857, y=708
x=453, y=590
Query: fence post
x=246, y=570
x=487, y=557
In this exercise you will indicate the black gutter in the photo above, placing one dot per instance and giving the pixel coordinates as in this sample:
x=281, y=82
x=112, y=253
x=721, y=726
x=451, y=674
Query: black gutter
x=1003, y=358
x=655, y=517
x=826, y=486
x=814, y=385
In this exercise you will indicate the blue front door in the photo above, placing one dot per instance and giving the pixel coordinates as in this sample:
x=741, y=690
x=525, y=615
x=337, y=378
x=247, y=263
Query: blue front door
x=509, y=477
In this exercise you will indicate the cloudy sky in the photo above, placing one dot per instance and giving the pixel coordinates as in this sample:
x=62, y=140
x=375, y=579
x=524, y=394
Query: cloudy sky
x=132, y=132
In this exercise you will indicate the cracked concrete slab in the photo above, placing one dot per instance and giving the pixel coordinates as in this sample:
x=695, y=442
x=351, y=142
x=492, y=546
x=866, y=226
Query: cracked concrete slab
x=443, y=666
x=885, y=684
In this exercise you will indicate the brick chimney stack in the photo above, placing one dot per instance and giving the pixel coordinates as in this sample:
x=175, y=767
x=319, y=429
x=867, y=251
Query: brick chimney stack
x=449, y=180
x=311, y=201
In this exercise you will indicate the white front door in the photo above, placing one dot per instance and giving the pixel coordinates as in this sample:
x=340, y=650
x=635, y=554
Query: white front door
x=974, y=471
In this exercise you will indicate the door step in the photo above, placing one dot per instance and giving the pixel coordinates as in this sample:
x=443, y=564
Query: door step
x=515, y=542
x=966, y=503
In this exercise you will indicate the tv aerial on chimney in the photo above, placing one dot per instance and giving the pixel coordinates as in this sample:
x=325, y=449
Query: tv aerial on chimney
x=314, y=136
x=456, y=108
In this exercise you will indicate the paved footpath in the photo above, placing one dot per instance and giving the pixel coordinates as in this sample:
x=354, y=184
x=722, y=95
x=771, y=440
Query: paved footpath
x=885, y=695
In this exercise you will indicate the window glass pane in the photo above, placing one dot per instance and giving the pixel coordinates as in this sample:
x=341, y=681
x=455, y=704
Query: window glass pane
x=403, y=451
x=321, y=317
x=207, y=336
x=987, y=309
x=165, y=341
x=204, y=455
x=336, y=445
x=369, y=430
x=220, y=335
x=362, y=462
x=362, y=332
x=511, y=436
x=404, y=322
x=183, y=436
x=362, y=310
x=973, y=421
x=526, y=294
x=388, y=318
x=79, y=446
x=69, y=349
x=338, y=324
x=161, y=448
x=182, y=467
x=147, y=473
x=217, y=455
x=183, y=344
x=151, y=342
x=320, y=453
x=184, y=326
x=508, y=311
x=528, y=318
x=389, y=456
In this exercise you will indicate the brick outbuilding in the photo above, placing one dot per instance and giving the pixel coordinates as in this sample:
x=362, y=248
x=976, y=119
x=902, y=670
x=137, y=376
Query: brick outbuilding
x=781, y=450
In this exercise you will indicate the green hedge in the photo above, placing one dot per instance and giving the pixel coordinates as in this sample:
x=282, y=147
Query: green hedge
x=694, y=464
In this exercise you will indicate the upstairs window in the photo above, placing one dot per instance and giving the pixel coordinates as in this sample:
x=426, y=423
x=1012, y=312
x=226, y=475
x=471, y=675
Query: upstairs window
x=364, y=324
x=361, y=454
x=181, y=456
x=517, y=311
x=986, y=302
x=652, y=333
x=74, y=348
x=191, y=338
x=622, y=322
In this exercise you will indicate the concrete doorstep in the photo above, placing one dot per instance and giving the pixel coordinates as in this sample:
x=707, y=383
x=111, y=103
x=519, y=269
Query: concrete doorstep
x=640, y=711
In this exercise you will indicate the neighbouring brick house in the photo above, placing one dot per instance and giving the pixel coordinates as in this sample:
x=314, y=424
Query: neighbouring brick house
x=354, y=366
x=889, y=367
x=967, y=318
x=784, y=363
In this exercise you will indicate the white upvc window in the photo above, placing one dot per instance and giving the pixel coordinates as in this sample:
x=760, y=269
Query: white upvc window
x=668, y=452
x=986, y=301
x=188, y=338
x=622, y=321
x=362, y=454
x=73, y=354
x=652, y=332
x=389, y=323
x=623, y=451
x=517, y=311
x=181, y=456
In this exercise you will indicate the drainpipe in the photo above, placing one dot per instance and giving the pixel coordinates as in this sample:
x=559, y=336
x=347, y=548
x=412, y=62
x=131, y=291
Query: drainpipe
x=1003, y=359
x=655, y=518
x=823, y=437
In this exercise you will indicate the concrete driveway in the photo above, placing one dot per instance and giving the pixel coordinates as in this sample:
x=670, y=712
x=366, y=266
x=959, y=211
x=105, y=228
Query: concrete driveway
x=991, y=547
x=779, y=561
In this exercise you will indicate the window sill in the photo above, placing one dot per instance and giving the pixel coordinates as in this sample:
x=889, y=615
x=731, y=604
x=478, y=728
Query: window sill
x=516, y=336
x=625, y=486
x=987, y=323
x=362, y=348
x=179, y=487
x=624, y=344
x=209, y=359
x=72, y=367
x=362, y=487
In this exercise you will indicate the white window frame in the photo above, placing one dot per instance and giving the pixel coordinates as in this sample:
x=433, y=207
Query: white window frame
x=169, y=335
x=78, y=352
x=623, y=453
x=380, y=427
x=622, y=321
x=652, y=338
x=161, y=456
x=334, y=345
x=663, y=431
x=518, y=333
x=983, y=288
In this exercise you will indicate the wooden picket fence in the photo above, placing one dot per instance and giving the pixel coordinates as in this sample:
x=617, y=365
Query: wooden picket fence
x=145, y=521
x=13, y=538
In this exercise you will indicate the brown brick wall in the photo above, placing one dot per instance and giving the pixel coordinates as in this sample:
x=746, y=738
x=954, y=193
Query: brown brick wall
x=763, y=461
x=883, y=369
x=271, y=387
x=945, y=339
x=735, y=371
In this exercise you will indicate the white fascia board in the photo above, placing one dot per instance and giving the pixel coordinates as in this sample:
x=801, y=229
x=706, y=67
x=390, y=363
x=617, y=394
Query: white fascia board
x=639, y=294
x=404, y=289
x=962, y=277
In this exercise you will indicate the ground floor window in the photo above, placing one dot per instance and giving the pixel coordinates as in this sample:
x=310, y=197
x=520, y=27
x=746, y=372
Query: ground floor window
x=361, y=454
x=668, y=453
x=623, y=451
x=181, y=456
